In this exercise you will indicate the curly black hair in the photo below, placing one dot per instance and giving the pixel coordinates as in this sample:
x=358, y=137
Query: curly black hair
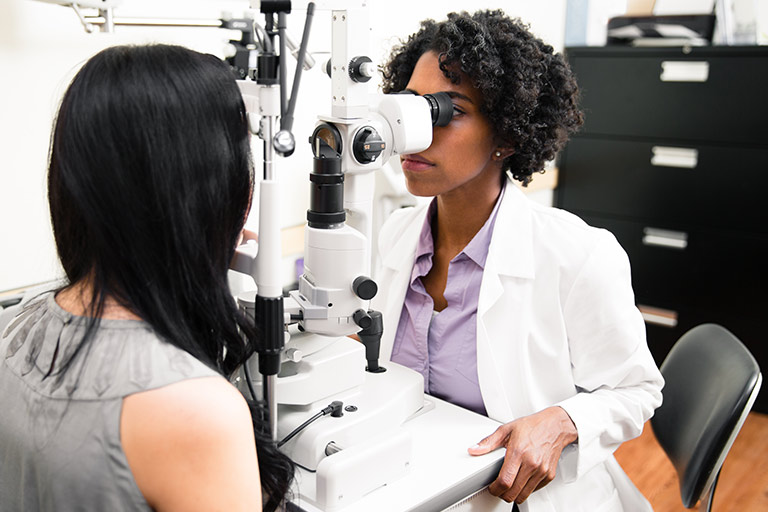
x=530, y=95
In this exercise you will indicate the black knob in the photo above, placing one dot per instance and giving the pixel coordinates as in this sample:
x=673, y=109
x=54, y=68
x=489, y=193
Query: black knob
x=361, y=69
x=365, y=287
x=362, y=318
x=371, y=338
x=367, y=145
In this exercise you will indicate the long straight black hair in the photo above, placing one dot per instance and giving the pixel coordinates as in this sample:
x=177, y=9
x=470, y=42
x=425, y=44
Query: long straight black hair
x=149, y=183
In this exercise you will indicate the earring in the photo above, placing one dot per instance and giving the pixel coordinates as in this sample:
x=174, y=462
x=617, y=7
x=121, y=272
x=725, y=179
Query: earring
x=498, y=154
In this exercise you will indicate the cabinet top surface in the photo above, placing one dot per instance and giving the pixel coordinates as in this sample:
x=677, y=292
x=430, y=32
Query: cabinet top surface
x=665, y=51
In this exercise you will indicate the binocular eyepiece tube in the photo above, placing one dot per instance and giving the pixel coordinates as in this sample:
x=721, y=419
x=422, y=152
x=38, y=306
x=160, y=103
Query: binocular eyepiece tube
x=441, y=108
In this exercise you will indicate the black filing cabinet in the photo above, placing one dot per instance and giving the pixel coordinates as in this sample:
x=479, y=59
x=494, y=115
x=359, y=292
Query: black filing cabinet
x=673, y=159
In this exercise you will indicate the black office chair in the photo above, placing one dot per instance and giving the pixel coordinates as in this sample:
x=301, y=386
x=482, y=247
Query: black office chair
x=711, y=383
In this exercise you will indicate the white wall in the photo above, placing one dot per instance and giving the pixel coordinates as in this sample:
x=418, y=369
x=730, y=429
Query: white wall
x=42, y=45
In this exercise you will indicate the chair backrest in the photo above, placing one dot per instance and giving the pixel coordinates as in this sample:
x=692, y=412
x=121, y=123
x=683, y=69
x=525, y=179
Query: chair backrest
x=711, y=383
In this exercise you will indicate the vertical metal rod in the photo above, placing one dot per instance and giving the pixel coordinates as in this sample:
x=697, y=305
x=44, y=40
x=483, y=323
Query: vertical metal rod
x=269, y=149
x=269, y=244
x=270, y=385
x=109, y=20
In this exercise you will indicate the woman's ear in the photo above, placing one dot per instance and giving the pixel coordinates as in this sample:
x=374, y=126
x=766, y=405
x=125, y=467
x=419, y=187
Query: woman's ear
x=500, y=153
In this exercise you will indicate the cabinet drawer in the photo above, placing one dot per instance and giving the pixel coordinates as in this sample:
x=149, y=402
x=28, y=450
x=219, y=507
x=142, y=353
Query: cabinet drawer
x=719, y=277
x=707, y=186
x=661, y=276
x=689, y=97
x=716, y=273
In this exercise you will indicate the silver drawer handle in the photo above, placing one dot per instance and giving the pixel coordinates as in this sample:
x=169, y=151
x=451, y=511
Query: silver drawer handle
x=677, y=71
x=665, y=238
x=685, y=158
x=658, y=316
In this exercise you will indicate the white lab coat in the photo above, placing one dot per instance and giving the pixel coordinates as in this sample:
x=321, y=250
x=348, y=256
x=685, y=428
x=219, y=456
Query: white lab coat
x=556, y=325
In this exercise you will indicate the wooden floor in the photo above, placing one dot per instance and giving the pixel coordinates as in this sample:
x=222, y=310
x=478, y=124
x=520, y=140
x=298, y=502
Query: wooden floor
x=743, y=483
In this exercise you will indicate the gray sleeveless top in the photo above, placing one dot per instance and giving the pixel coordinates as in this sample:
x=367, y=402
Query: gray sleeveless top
x=60, y=436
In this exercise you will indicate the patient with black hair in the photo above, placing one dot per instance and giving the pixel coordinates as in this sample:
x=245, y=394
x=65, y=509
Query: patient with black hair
x=114, y=387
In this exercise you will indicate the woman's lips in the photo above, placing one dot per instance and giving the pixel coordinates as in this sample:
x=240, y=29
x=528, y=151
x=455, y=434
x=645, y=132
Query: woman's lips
x=411, y=163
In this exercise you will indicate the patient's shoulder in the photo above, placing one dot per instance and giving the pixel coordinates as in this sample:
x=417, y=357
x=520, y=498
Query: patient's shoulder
x=190, y=446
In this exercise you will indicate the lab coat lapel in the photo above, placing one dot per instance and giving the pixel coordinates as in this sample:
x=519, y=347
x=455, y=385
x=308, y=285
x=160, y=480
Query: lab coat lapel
x=501, y=322
x=395, y=275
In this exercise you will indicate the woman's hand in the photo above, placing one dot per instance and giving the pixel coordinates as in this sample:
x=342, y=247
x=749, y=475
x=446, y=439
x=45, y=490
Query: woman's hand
x=534, y=444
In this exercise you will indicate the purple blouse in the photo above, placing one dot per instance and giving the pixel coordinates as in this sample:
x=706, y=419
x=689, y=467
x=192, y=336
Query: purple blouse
x=442, y=345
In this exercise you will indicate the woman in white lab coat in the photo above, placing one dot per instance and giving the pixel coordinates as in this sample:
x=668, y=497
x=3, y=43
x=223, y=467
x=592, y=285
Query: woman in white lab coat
x=558, y=352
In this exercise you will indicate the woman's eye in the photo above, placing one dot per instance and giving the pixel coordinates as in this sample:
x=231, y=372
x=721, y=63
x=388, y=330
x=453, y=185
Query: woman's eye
x=457, y=111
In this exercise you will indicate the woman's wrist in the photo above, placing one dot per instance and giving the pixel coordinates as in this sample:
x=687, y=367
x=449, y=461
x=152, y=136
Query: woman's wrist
x=569, y=432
